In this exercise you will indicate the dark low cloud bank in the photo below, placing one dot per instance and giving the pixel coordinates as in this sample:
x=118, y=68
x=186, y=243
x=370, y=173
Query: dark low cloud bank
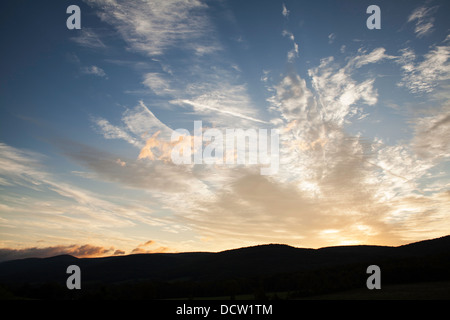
x=79, y=251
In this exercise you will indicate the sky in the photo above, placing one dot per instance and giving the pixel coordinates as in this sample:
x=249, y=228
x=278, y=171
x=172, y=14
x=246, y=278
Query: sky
x=87, y=118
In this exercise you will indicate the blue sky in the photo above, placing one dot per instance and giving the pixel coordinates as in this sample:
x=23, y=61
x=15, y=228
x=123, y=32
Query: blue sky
x=363, y=115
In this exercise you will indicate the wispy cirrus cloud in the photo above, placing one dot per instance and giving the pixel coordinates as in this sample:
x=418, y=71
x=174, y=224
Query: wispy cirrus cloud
x=211, y=104
x=159, y=176
x=158, y=84
x=424, y=21
x=205, y=79
x=426, y=75
x=332, y=186
x=89, y=38
x=338, y=91
x=62, y=208
x=138, y=124
x=432, y=135
x=152, y=27
x=110, y=131
x=325, y=171
x=86, y=70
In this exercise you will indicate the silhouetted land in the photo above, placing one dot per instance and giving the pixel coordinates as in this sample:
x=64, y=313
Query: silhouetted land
x=260, y=272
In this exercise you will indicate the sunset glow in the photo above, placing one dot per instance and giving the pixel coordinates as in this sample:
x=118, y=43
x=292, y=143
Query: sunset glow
x=87, y=118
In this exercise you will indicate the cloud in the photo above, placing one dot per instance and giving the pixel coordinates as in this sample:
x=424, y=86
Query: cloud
x=292, y=54
x=432, y=135
x=154, y=27
x=362, y=59
x=337, y=90
x=397, y=169
x=137, y=123
x=425, y=76
x=156, y=250
x=284, y=11
x=157, y=83
x=210, y=107
x=138, y=174
x=89, y=70
x=110, y=131
x=140, y=121
x=88, y=38
x=423, y=216
x=143, y=248
x=324, y=171
x=94, y=70
x=423, y=19
x=328, y=180
x=292, y=98
x=121, y=163
x=331, y=38
x=79, y=251
x=256, y=209
x=223, y=104
x=37, y=200
x=18, y=167
x=333, y=186
x=149, y=242
x=204, y=78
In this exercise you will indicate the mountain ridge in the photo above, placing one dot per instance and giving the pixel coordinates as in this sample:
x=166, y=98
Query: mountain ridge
x=277, y=266
x=266, y=245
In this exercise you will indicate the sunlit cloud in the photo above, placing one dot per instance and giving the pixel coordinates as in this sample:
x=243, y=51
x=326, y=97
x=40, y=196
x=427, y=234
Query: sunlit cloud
x=79, y=251
x=432, y=136
x=205, y=108
x=342, y=178
x=425, y=76
x=150, y=247
x=349, y=182
x=65, y=210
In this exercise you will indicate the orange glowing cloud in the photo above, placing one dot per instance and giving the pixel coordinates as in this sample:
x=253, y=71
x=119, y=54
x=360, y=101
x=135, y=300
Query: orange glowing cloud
x=79, y=251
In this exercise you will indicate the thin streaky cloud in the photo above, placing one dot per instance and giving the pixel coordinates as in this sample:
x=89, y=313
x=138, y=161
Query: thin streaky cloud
x=423, y=19
x=89, y=38
x=223, y=111
x=363, y=122
x=153, y=27
x=425, y=76
x=157, y=83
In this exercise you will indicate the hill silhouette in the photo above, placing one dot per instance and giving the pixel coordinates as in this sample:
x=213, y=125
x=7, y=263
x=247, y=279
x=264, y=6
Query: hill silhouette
x=254, y=270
